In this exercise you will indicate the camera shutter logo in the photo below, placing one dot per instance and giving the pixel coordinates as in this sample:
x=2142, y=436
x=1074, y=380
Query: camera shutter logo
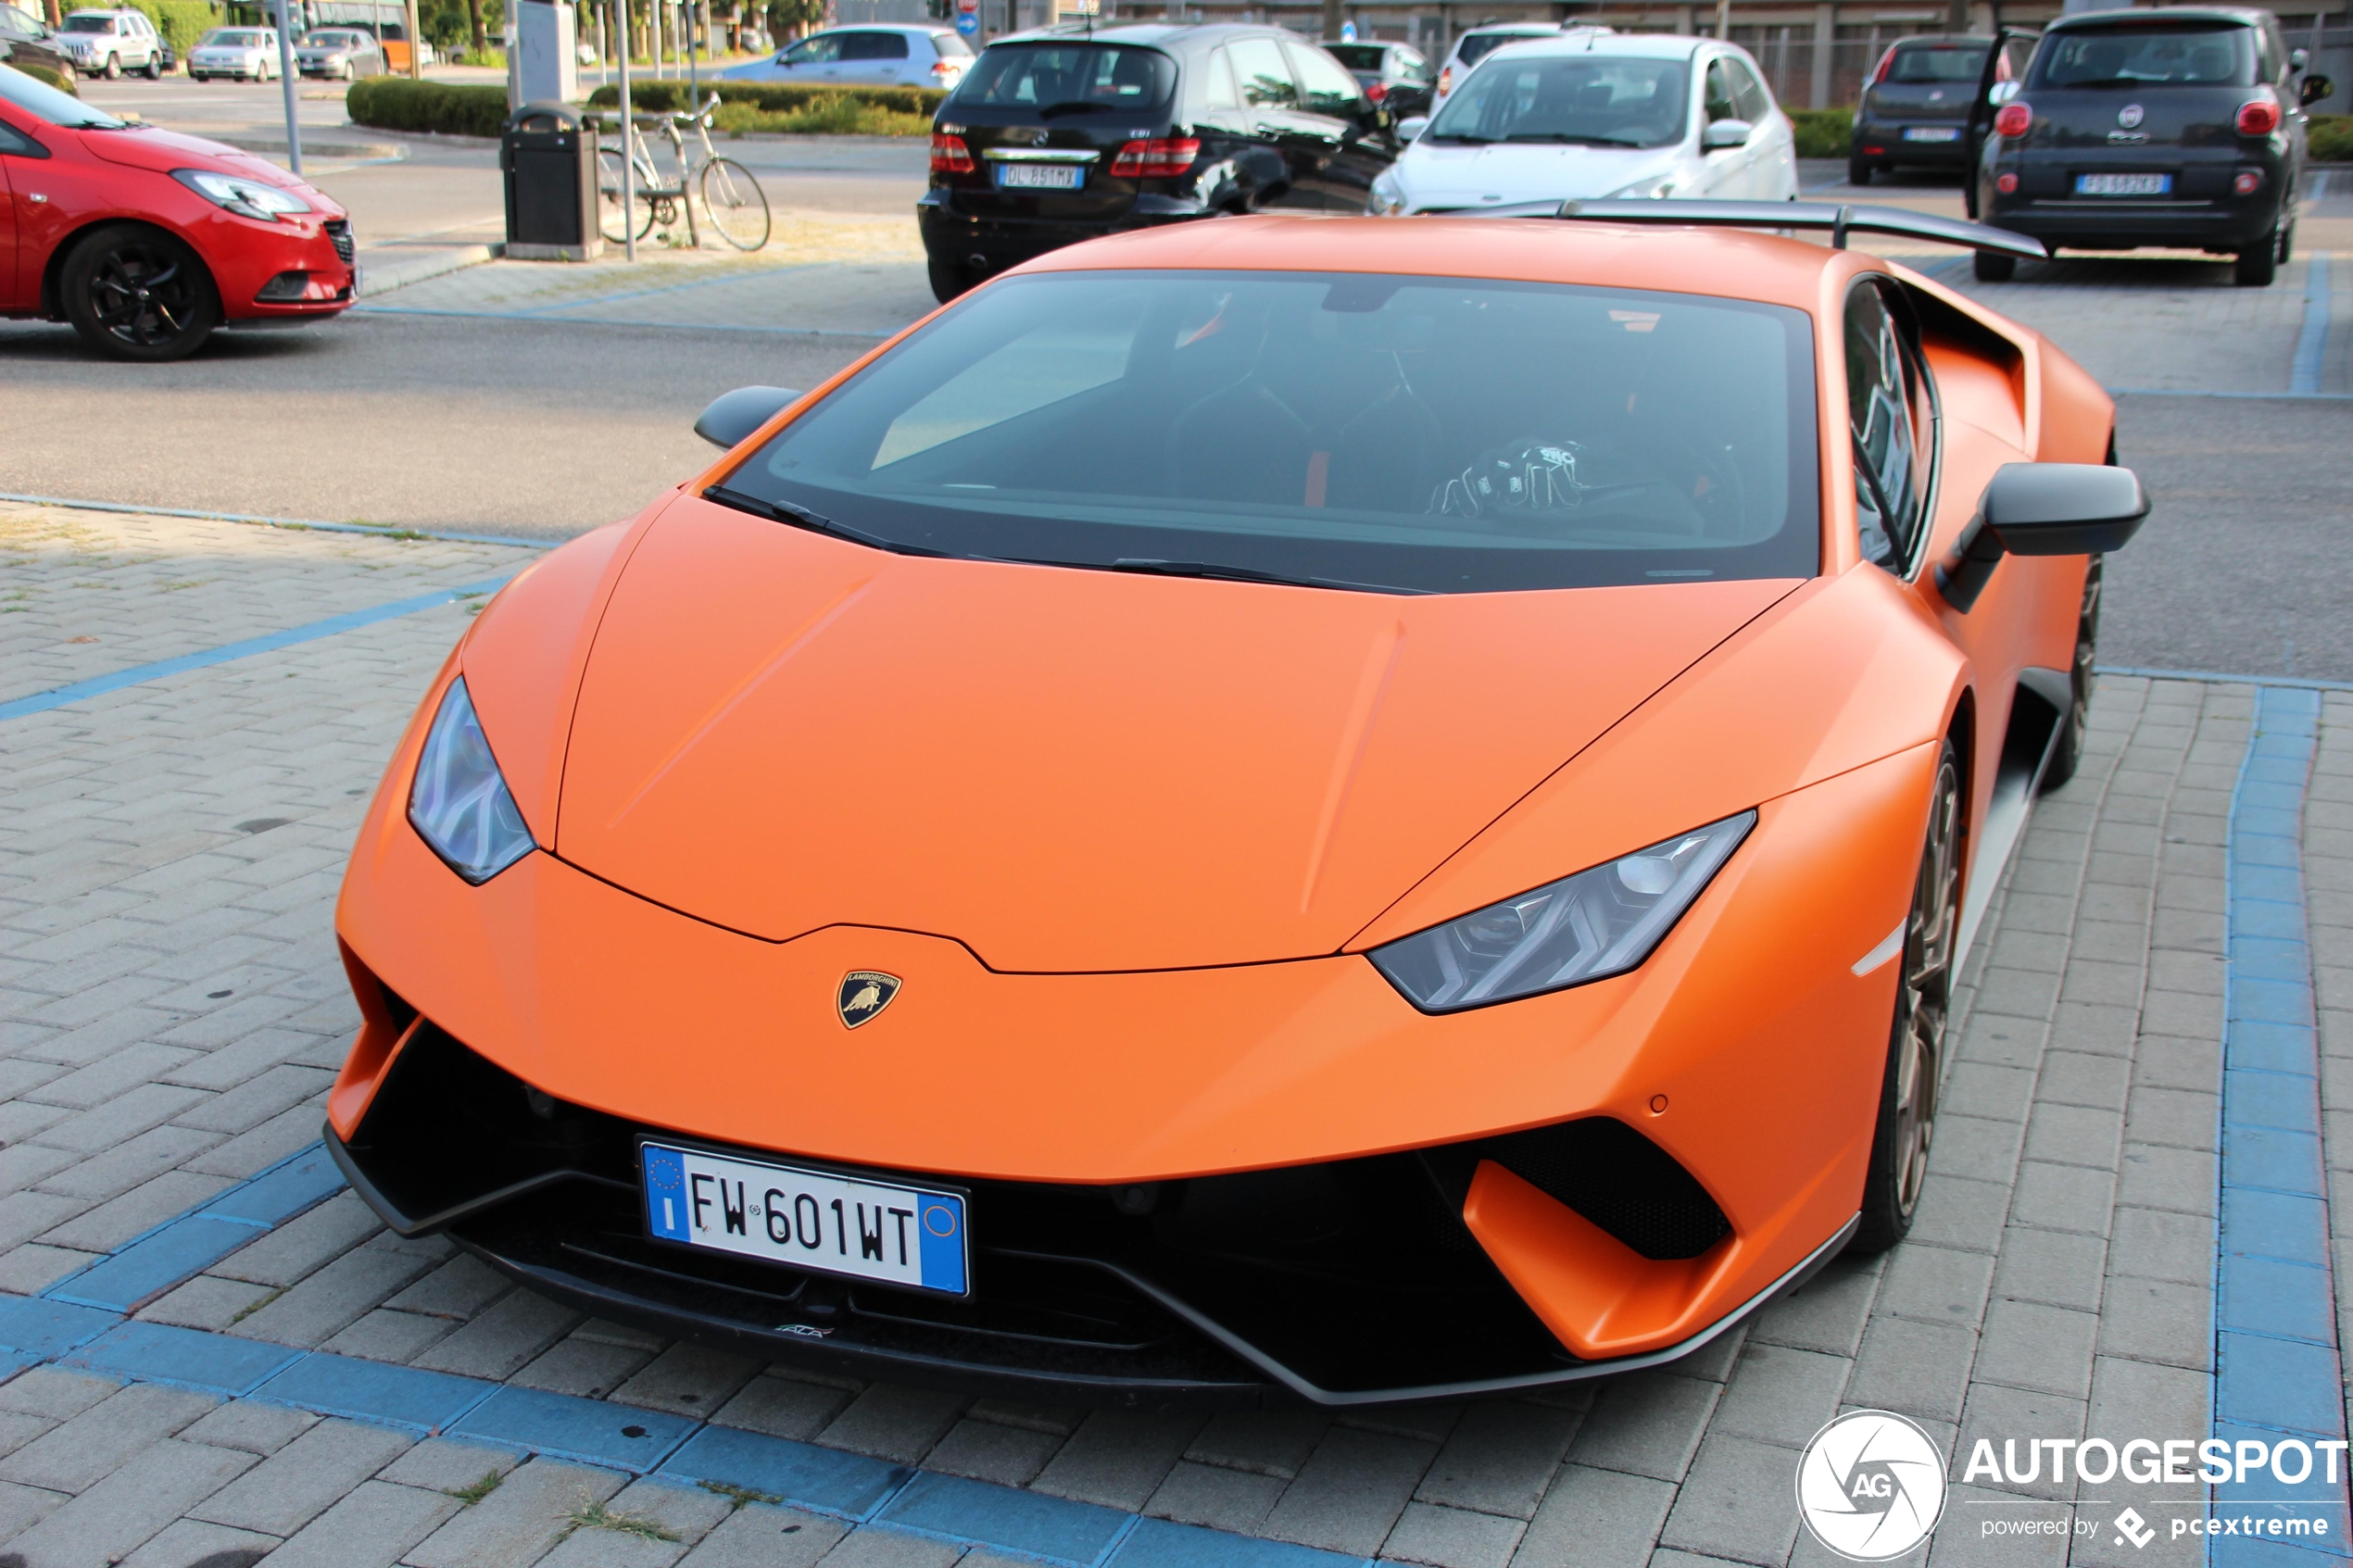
x=1870, y=1485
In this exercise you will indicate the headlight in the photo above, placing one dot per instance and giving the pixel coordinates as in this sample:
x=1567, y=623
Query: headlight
x=247, y=199
x=1657, y=187
x=1589, y=926
x=459, y=804
x=1388, y=199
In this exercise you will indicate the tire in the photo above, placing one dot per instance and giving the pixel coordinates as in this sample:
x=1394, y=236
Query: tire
x=1991, y=267
x=948, y=279
x=738, y=207
x=2287, y=235
x=2066, y=750
x=2258, y=264
x=155, y=68
x=1858, y=171
x=113, y=69
x=137, y=293
x=1905, y=1123
x=610, y=219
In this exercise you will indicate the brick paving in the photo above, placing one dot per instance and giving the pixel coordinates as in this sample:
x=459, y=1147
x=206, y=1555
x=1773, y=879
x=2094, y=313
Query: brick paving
x=171, y=1011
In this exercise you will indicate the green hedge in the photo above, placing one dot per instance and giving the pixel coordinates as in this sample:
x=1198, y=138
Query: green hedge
x=48, y=78
x=394, y=103
x=182, y=22
x=2332, y=138
x=1823, y=133
x=775, y=107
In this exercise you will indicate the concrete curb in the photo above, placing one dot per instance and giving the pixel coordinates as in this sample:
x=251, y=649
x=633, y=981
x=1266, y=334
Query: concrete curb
x=375, y=278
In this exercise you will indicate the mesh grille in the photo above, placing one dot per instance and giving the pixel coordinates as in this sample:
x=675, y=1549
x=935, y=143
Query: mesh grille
x=340, y=233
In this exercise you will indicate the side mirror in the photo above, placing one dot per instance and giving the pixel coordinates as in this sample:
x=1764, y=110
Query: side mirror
x=2316, y=87
x=2043, y=509
x=734, y=415
x=1724, y=133
x=1410, y=129
x=2002, y=92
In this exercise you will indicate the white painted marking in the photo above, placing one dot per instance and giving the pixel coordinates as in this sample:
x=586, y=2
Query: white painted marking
x=1885, y=951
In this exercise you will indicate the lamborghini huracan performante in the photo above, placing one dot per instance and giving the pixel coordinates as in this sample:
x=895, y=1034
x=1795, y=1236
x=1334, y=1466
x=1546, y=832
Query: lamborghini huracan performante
x=1337, y=810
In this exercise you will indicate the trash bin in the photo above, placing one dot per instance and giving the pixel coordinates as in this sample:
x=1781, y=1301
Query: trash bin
x=549, y=155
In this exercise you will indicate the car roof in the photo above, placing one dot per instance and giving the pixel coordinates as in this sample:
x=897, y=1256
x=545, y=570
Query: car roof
x=2225, y=15
x=925, y=29
x=1171, y=36
x=1629, y=45
x=1716, y=262
x=1942, y=41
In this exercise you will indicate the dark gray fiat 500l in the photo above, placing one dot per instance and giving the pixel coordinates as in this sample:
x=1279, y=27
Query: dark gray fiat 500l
x=2179, y=127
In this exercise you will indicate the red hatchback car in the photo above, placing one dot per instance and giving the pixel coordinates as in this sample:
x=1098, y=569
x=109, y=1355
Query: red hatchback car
x=147, y=240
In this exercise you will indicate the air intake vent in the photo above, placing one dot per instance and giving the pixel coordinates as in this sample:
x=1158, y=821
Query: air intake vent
x=1616, y=1178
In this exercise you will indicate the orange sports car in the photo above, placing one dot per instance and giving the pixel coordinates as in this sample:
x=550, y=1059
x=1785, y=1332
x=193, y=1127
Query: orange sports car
x=1280, y=808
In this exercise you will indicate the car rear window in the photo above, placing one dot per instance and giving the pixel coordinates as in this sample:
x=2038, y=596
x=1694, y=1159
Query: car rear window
x=1353, y=431
x=2129, y=55
x=89, y=24
x=1067, y=78
x=1937, y=62
x=1476, y=46
x=1356, y=57
x=1580, y=100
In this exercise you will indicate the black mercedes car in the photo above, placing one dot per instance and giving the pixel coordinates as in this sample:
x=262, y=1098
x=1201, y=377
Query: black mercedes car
x=2178, y=127
x=1056, y=137
x=1915, y=108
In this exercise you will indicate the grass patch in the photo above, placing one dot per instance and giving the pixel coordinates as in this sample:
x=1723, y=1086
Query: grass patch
x=474, y=1491
x=2332, y=136
x=593, y=1515
x=394, y=103
x=1823, y=133
x=779, y=107
x=738, y=1495
x=247, y=1310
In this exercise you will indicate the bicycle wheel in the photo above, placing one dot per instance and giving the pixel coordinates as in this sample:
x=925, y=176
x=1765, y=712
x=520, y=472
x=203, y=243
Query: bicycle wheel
x=738, y=207
x=610, y=219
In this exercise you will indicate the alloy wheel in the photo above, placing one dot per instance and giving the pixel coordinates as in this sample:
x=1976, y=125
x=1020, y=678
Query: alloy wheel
x=1930, y=936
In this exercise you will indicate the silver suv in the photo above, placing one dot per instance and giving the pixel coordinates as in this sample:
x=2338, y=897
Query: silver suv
x=109, y=43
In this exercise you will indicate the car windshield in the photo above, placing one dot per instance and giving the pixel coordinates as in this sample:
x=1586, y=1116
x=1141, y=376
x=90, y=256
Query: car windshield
x=330, y=41
x=44, y=102
x=2183, y=54
x=221, y=38
x=1577, y=100
x=1406, y=434
x=1938, y=62
x=1356, y=57
x=1476, y=46
x=89, y=24
x=1067, y=78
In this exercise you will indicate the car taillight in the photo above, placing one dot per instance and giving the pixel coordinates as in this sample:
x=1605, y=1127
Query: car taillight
x=941, y=68
x=2258, y=117
x=1446, y=82
x=949, y=156
x=1377, y=92
x=1142, y=160
x=2248, y=182
x=2015, y=119
x=1886, y=64
x=2005, y=184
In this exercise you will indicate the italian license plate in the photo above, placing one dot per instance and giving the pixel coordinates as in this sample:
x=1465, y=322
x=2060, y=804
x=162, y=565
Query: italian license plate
x=1041, y=176
x=2123, y=184
x=1931, y=134
x=810, y=1220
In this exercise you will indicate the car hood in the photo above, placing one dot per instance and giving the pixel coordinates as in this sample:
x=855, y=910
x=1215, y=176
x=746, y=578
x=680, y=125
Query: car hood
x=1073, y=770
x=164, y=151
x=1436, y=176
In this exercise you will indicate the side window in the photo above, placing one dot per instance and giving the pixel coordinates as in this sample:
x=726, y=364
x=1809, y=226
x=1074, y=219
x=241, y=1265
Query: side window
x=821, y=50
x=1324, y=87
x=1264, y=74
x=1217, y=84
x=1749, y=94
x=1720, y=104
x=874, y=46
x=16, y=143
x=1883, y=393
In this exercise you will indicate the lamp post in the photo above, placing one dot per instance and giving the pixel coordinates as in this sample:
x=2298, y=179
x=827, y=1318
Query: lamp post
x=628, y=164
x=286, y=82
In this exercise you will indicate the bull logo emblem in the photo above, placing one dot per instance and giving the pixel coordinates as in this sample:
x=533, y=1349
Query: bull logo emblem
x=863, y=994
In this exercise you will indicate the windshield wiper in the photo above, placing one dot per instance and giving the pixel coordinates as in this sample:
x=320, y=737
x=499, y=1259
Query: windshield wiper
x=1159, y=568
x=1465, y=137
x=801, y=517
x=1571, y=139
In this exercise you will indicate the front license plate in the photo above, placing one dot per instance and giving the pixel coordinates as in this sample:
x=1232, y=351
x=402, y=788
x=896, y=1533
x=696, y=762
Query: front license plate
x=1931, y=134
x=2123, y=184
x=866, y=1230
x=1041, y=176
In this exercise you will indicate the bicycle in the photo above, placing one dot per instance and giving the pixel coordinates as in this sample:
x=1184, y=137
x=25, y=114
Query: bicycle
x=737, y=207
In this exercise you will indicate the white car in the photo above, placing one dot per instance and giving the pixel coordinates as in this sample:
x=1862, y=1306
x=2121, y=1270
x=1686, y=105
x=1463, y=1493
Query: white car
x=109, y=43
x=1589, y=115
x=241, y=54
x=865, y=57
x=1475, y=44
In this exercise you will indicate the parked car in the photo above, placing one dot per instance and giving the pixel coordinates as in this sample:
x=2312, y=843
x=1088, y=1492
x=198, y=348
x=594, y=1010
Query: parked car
x=865, y=57
x=239, y=53
x=1396, y=76
x=109, y=43
x=26, y=40
x=1475, y=44
x=2182, y=126
x=1402, y=835
x=1915, y=108
x=1583, y=116
x=342, y=53
x=147, y=240
x=1059, y=136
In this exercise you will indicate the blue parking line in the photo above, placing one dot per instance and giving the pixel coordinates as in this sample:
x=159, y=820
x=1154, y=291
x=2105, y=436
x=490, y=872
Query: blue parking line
x=139, y=674
x=2312, y=343
x=2276, y=1356
x=2291, y=682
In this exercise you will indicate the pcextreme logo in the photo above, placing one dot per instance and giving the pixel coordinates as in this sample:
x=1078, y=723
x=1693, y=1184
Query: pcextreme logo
x=1870, y=1485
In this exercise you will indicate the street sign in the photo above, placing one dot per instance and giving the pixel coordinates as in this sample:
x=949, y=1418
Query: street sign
x=968, y=17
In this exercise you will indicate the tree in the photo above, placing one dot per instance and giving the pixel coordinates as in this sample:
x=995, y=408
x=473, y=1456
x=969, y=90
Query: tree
x=786, y=18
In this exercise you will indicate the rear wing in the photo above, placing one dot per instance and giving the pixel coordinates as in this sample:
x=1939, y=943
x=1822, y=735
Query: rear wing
x=1841, y=218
